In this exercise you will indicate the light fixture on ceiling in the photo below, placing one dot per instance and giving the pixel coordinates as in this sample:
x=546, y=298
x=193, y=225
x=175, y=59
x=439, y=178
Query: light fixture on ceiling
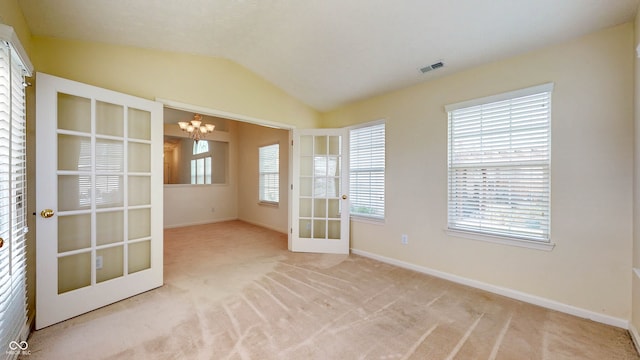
x=196, y=129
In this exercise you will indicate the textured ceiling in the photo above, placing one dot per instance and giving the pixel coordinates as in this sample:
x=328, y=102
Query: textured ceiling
x=329, y=52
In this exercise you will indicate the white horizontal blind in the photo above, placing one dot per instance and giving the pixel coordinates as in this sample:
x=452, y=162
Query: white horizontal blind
x=12, y=201
x=367, y=167
x=499, y=157
x=269, y=163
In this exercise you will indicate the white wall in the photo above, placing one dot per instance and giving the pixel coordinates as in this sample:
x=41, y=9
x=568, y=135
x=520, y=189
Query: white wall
x=250, y=138
x=592, y=162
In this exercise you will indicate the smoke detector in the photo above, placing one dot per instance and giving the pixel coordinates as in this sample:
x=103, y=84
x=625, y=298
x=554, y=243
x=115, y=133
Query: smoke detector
x=434, y=66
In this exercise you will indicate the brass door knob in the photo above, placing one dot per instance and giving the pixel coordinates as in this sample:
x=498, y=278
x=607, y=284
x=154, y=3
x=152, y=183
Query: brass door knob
x=47, y=213
x=1, y=242
x=344, y=197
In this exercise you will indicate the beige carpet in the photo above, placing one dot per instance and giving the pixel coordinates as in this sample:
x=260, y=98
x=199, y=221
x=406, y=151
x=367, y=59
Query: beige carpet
x=233, y=291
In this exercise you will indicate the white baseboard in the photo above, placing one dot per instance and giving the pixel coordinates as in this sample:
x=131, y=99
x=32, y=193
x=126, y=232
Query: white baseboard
x=635, y=336
x=514, y=294
x=200, y=223
x=266, y=226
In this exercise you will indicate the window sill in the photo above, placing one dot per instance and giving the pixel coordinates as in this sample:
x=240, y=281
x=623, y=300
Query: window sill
x=367, y=220
x=529, y=244
x=269, y=204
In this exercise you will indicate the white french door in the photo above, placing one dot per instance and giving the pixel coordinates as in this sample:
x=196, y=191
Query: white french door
x=98, y=197
x=320, y=205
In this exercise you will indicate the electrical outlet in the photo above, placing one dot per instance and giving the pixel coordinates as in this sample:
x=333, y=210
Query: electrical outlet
x=404, y=239
x=98, y=262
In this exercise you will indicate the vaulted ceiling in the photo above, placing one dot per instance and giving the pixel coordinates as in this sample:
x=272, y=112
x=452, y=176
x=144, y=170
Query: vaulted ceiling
x=330, y=52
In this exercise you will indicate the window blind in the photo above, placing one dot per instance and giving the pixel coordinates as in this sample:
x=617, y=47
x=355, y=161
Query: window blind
x=499, y=157
x=366, y=168
x=269, y=164
x=13, y=311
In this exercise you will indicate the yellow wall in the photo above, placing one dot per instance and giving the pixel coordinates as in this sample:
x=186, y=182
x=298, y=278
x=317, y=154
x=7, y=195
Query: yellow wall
x=250, y=138
x=11, y=14
x=210, y=82
x=592, y=162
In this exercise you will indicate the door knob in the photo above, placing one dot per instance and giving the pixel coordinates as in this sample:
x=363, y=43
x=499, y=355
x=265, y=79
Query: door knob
x=1, y=242
x=344, y=197
x=47, y=213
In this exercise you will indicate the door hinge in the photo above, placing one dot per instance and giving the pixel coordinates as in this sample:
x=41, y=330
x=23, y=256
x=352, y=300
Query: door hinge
x=292, y=231
x=291, y=186
x=291, y=142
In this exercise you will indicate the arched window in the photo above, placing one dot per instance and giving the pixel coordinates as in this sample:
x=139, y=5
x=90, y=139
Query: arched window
x=200, y=147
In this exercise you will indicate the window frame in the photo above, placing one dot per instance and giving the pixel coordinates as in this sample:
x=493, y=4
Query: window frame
x=358, y=215
x=204, y=158
x=467, y=231
x=262, y=174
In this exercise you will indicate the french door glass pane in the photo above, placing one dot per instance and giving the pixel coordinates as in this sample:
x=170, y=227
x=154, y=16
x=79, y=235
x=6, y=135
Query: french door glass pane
x=320, y=163
x=109, y=119
x=139, y=157
x=319, y=229
x=112, y=263
x=109, y=227
x=74, y=153
x=139, y=223
x=139, y=256
x=319, y=208
x=109, y=155
x=109, y=191
x=320, y=145
x=305, y=207
x=306, y=186
x=139, y=124
x=305, y=228
x=333, y=210
x=74, y=232
x=74, y=113
x=139, y=190
x=333, y=229
x=74, y=272
x=306, y=145
x=74, y=192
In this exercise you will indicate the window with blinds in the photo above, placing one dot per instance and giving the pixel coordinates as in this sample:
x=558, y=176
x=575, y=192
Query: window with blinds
x=269, y=169
x=499, y=157
x=366, y=170
x=13, y=220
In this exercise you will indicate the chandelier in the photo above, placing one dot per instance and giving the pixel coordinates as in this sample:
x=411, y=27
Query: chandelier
x=196, y=129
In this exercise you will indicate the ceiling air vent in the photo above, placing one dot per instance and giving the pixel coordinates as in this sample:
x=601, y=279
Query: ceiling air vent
x=435, y=66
